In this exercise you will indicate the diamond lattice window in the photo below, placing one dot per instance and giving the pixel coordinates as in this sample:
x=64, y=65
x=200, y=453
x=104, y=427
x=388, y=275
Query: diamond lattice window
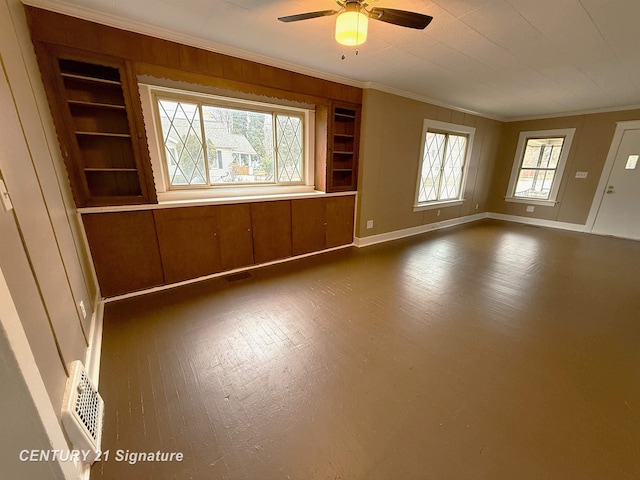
x=442, y=169
x=289, y=148
x=182, y=138
x=220, y=145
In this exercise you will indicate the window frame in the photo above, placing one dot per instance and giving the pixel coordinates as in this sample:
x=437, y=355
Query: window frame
x=567, y=134
x=150, y=94
x=435, y=126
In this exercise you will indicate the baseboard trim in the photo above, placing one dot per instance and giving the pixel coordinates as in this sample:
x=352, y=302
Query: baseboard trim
x=219, y=274
x=94, y=351
x=96, y=329
x=409, y=232
x=538, y=222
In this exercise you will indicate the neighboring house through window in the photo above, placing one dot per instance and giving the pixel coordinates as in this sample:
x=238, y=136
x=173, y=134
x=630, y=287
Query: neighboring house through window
x=212, y=142
x=538, y=166
x=445, y=153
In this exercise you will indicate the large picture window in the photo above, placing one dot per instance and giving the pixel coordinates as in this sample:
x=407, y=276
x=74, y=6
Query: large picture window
x=443, y=163
x=538, y=166
x=211, y=142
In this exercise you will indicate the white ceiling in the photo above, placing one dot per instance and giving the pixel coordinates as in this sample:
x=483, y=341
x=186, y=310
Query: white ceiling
x=502, y=58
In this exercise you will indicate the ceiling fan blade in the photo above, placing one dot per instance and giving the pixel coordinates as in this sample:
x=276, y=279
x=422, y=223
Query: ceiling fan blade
x=400, y=17
x=307, y=16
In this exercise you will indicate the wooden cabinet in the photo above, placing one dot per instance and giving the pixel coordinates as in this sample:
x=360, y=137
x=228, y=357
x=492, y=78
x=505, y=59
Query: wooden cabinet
x=233, y=223
x=320, y=223
x=97, y=113
x=339, y=215
x=142, y=249
x=271, y=230
x=188, y=241
x=199, y=241
x=344, y=142
x=125, y=252
x=308, y=225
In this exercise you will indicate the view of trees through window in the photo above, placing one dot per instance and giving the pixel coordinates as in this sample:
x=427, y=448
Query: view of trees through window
x=213, y=145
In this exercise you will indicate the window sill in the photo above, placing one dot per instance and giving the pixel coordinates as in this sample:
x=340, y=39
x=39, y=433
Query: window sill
x=231, y=194
x=531, y=201
x=434, y=205
x=163, y=202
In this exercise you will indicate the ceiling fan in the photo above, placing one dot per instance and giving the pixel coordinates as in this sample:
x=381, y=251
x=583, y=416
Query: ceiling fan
x=353, y=16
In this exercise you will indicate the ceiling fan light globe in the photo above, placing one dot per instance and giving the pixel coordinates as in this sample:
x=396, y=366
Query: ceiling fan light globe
x=351, y=28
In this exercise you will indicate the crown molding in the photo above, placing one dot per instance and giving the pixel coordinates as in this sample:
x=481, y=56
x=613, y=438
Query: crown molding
x=115, y=21
x=65, y=8
x=432, y=101
x=574, y=113
x=135, y=26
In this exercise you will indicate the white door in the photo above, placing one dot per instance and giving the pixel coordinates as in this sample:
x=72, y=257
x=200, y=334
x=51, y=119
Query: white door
x=619, y=212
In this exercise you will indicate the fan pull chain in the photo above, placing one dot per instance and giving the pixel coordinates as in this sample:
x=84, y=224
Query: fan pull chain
x=344, y=56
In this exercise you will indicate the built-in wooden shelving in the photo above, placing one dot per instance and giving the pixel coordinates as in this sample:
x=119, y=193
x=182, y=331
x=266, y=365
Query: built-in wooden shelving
x=342, y=167
x=92, y=106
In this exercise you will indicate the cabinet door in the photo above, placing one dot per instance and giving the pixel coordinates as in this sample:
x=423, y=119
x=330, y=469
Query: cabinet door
x=233, y=225
x=340, y=212
x=189, y=243
x=271, y=223
x=308, y=222
x=125, y=252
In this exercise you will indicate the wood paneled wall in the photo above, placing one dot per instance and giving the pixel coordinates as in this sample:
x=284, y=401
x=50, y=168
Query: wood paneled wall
x=58, y=29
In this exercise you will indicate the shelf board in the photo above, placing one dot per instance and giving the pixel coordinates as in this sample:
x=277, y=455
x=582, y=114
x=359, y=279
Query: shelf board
x=110, y=169
x=342, y=152
x=95, y=104
x=343, y=135
x=91, y=79
x=342, y=170
x=345, y=115
x=104, y=134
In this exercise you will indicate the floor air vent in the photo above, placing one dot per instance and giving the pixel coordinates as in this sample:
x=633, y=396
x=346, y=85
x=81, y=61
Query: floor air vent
x=82, y=410
x=236, y=277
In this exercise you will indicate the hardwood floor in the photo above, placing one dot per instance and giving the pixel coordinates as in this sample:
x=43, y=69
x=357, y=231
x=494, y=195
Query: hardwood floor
x=488, y=351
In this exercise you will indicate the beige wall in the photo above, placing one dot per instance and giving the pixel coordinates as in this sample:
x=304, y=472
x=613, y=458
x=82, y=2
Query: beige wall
x=27, y=421
x=389, y=160
x=588, y=153
x=44, y=259
x=390, y=151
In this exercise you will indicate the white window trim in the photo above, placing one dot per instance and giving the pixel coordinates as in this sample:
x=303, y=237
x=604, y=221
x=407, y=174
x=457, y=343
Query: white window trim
x=430, y=125
x=160, y=177
x=568, y=134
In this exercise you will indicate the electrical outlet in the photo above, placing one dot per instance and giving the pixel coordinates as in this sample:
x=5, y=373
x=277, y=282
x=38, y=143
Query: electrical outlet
x=369, y=224
x=582, y=174
x=530, y=208
x=438, y=214
x=83, y=310
x=477, y=206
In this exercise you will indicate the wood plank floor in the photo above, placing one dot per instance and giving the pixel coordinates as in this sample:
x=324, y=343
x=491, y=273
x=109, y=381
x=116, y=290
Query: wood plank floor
x=487, y=351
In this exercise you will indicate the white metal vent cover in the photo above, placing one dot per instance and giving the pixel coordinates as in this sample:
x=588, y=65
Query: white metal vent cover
x=82, y=410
